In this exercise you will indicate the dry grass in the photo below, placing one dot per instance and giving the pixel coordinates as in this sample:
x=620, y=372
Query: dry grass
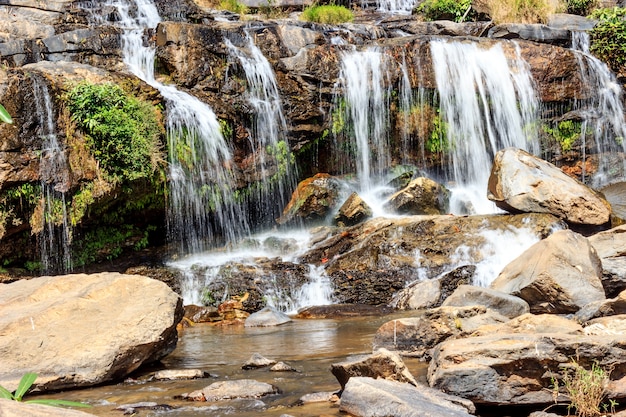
x=523, y=11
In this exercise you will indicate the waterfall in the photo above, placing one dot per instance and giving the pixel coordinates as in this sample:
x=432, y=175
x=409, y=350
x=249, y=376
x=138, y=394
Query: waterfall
x=365, y=110
x=201, y=208
x=268, y=129
x=602, y=114
x=396, y=6
x=56, y=234
x=487, y=103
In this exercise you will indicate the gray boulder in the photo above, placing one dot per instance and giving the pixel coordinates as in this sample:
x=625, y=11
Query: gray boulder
x=381, y=364
x=611, y=248
x=64, y=328
x=227, y=390
x=521, y=182
x=267, y=317
x=367, y=397
x=559, y=274
x=531, y=32
x=505, y=304
x=603, y=308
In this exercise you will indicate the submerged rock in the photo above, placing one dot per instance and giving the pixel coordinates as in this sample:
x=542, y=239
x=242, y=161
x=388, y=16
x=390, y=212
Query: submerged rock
x=227, y=390
x=521, y=182
x=84, y=330
x=179, y=374
x=257, y=361
x=559, y=275
x=269, y=316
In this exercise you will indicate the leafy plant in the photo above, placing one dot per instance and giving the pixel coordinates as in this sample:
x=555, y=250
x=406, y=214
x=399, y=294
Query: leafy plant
x=27, y=381
x=4, y=115
x=585, y=388
x=565, y=133
x=523, y=11
x=123, y=132
x=234, y=6
x=608, y=37
x=456, y=10
x=328, y=13
x=437, y=139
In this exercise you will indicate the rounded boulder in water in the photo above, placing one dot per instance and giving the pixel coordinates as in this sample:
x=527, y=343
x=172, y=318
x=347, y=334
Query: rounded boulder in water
x=269, y=316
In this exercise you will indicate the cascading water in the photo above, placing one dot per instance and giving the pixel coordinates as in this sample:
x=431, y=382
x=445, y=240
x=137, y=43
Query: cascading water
x=396, y=6
x=365, y=109
x=268, y=130
x=602, y=114
x=488, y=104
x=201, y=208
x=56, y=234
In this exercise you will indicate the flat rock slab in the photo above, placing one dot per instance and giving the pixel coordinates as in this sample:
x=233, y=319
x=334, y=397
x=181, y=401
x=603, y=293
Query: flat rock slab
x=83, y=330
x=10, y=408
x=226, y=390
x=367, y=397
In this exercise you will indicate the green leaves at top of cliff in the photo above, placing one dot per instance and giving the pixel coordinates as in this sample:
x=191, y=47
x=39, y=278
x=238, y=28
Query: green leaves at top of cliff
x=608, y=38
x=445, y=10
x=122, y=132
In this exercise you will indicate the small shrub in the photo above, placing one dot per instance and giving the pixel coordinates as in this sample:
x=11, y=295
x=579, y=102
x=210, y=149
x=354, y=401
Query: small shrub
x=608, y=38
x=581, y=7
x=459, y=11
x=523, y=11
x=586, y=389
x=329, y=14
x=234, y=6
x=123, y=132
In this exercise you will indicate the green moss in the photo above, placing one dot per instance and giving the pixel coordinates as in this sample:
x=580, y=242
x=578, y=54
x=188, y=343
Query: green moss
x=328, y=13
x=123, y=132
x=565, y=133
x=437, y=141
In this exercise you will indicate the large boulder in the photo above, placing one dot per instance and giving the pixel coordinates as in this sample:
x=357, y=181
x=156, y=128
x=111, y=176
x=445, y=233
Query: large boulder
x=521, y=182
x=312, y=201
x=505, y=304
x=421, y=196
x=559, y=275
x=519, y=369
x=354, y=210
x=367, y=397
x=611, y=248
x=532, y=323
x=417, y=336
x=83, y=330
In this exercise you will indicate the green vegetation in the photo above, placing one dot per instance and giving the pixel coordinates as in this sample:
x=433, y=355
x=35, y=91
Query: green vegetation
x=234, y=6
x=284, y=159
x=523, y=11
x=328, y=13
x=586, y=390
x=608, y=38
x=565, y=133
x=25, y=384
x=108, y=243
x=5, y=117
x=457, y=10
x=123, y=132
x=437, y=141
x=581, y=7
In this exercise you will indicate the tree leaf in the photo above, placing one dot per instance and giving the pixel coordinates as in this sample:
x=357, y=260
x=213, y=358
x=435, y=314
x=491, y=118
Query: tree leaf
x=25, y=383
x=4, y=115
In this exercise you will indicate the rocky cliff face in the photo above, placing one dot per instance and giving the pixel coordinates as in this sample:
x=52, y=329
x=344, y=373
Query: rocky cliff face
x=64, y=42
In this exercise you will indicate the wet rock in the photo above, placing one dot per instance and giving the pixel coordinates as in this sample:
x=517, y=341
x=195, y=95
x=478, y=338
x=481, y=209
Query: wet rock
x=283, y=367
x=318, y=397
x=505, y=304
x=417, y=336
x=519, y=368
x=38, y=318
x=367, y=397
x=202, y=314
x=432, y=292
x=371, y=261
x=132, y=409
x=342, y=310
x=533, y=324
x=611, y=248
x=179, y=374
x=354, y=210
x=521, y=182
x=269, y=316
x=421, y=196
x=558, y=275
x=312, y=201
x=12, y=408
x=257, y=361
x=227, y=390
x=381, y=364
x=232, y=310
x=531, y=32
x=602, y=308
